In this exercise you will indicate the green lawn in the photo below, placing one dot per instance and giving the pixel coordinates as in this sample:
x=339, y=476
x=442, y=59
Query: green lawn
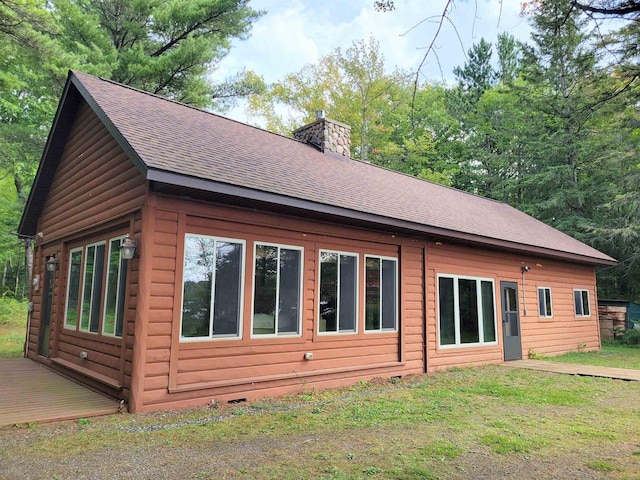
x=487, y=422
x=620, y=356
x=13, y=321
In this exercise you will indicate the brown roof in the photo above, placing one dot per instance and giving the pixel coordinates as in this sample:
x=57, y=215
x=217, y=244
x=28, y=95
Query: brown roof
x=178, y=144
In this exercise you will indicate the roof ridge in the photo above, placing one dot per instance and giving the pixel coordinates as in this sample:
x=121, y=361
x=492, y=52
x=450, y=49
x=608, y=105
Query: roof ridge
x=175, y=102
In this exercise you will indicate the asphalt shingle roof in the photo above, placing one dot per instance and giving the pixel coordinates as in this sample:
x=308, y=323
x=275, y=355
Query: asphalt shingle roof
x=171, y=137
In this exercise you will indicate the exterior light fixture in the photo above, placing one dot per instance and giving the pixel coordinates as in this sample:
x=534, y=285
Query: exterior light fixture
x=128, y=248
x=525, y=268
x=52, y=264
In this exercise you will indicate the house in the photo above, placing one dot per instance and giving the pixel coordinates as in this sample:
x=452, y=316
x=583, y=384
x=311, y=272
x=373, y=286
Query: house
x=263, y=265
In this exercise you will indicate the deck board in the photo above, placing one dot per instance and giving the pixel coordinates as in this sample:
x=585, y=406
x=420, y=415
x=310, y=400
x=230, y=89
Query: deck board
x=31, y=392
x=577, y=369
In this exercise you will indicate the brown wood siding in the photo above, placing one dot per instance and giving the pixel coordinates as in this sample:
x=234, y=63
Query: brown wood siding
x=33, y=324
x=179, y=374
x=96, y=193
x=39, y=266
x=94, y=183
x=562, y=333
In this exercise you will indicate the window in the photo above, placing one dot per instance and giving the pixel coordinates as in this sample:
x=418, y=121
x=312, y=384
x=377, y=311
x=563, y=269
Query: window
x=212, y=287
x=73, y=288
x=338, y=292
x=115, y=290
x=544, y=302
x=96, y=284
x=581, y=300
x=466, y=311
x=381, y=294
x=92, y=288
x=277, y=290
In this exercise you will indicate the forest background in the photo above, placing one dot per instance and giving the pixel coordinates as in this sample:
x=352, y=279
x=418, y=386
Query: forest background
x=550, y=126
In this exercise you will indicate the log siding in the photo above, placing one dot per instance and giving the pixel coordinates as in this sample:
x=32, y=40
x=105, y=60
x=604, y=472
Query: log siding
x=545, y=335
x=181, y=373
x=94, y=196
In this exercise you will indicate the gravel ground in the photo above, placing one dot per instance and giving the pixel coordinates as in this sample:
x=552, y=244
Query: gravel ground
x=238, y=459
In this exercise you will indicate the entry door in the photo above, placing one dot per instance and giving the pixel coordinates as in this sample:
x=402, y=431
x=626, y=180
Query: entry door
x=510, y=321
x=45, y=319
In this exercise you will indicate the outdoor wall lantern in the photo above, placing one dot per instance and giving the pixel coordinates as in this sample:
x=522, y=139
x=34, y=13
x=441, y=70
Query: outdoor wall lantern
x=52, y=264
x=128, y=248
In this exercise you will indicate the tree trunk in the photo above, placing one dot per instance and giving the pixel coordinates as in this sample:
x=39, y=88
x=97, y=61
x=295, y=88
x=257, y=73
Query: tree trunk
x=15, y=292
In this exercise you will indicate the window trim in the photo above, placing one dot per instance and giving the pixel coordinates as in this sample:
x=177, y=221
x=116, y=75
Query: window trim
x=118, y=289
x=396, y=323
x=298, y=334
x=575, y=306
x=211, y=337
x=544, y=314
x=66, y=326
x=357, y=293
x=456, y=311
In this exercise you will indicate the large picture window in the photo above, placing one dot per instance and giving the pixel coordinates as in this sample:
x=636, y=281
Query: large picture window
x=212, y=287
x=338, y=292
x=581, y=301
x=466, y=311
x=381, y=294
x=545, y=309
x=96, y=283
x=277, y=291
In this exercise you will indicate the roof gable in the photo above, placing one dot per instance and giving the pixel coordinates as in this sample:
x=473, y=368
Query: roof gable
x=180, y=145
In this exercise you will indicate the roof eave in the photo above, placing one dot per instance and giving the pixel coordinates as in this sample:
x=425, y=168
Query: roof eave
x=171, y=178
x=74, y=91
x=49, y=161
x=111, y=128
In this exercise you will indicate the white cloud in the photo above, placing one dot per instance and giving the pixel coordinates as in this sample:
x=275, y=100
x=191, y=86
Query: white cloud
x=296, y=32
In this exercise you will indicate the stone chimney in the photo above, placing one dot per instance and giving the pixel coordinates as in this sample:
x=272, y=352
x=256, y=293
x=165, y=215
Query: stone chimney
x=326, y=135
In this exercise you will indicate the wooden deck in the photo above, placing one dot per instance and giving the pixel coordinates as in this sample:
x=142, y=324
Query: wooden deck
x=31, y=392
x=575, y=369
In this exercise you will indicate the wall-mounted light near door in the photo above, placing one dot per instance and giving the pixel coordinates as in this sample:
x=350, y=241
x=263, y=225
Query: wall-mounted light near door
x=128, y=248
x=52, y=264
x=525, y=268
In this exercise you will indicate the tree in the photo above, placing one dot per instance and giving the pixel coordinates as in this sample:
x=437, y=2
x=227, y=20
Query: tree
x=570, y=89
x=423, y=139
x=617, y=8
x=163, y=47
x=352, y=87
x=477, y=74
x=167, y=48
x=488, y=115
x=509, y=57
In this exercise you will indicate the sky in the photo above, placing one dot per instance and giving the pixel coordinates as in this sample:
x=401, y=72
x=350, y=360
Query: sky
x=293, y=33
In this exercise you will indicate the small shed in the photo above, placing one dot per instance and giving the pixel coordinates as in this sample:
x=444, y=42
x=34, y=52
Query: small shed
x=617, y=315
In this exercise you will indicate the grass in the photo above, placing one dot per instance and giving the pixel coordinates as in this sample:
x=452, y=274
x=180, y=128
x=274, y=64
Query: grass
x=462, y=423
x=13, y=321
x=611, y=355
x=454, y=424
